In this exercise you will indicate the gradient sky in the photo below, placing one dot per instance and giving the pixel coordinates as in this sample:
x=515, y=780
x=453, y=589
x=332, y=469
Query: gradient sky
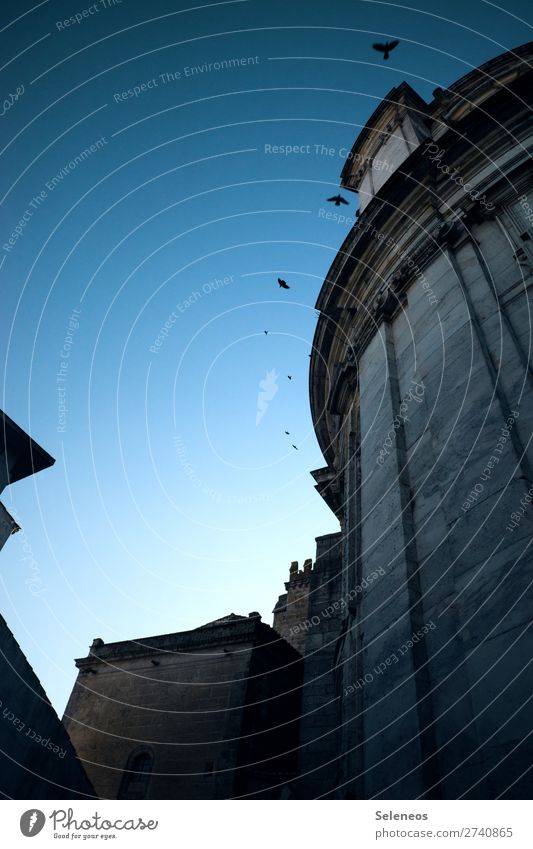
x=169, y=505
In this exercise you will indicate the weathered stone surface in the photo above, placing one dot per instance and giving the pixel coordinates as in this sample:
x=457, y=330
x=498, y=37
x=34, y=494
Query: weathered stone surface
x=443, y=271
x=291, y=610
x=215, y=710
x=319, y=735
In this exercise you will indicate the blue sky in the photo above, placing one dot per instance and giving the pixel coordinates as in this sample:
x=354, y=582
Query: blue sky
x=169, y=505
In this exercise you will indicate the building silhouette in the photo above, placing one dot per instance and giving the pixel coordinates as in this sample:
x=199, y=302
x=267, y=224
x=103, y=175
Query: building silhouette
x=37, y=760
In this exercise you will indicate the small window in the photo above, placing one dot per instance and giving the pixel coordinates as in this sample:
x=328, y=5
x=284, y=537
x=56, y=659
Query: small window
x=136, y=776
x=519, y=222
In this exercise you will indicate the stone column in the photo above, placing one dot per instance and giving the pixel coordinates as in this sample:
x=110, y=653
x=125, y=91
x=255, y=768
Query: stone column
x=399, y=752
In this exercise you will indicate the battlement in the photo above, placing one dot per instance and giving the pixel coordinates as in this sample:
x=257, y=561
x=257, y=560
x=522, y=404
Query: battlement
x=291, y=607
x=297, y=575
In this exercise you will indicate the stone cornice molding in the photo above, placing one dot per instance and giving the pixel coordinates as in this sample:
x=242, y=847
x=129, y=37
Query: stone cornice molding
x=246, y=630
x=368, y=280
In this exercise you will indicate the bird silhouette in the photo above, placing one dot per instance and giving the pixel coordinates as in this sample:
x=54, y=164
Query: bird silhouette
x=287, y=432
x=294, y=446
x=282, y=284
x=337, y=200
x=155, y=662
x=289, y=376
x=265, y=332
x=386, y=48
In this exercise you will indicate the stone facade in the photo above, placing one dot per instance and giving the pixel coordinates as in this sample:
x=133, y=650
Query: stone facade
x=319, y=764
x=422, y=397
x=290, y=612
x=205, y=714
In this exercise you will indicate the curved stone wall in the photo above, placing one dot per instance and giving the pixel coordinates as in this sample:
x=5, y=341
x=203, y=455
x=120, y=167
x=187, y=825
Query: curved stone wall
x=422, y=396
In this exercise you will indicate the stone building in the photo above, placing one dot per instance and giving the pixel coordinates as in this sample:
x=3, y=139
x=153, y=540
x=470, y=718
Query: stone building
x=211, y=713
x=421, y=393
x=290, y=612
x=318, y=764
x=37, y=760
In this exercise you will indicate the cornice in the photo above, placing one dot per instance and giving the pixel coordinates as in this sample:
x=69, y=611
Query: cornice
x=329, y=485
x=247, y=629
x=408, y=185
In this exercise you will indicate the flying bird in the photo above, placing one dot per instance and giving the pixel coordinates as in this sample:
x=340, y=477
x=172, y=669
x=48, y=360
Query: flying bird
x=155, y=662
x=337, y=200
x=289, y=376
x=386, y=48
x=265, y=332
x=295, y=448
x=287, y=433
x=282, y=284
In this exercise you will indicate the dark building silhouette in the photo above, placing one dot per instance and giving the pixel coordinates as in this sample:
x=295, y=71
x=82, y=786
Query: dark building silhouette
x=37, y=760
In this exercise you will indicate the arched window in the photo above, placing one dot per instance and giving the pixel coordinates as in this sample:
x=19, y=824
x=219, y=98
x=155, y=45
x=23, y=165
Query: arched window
x=136, y=777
